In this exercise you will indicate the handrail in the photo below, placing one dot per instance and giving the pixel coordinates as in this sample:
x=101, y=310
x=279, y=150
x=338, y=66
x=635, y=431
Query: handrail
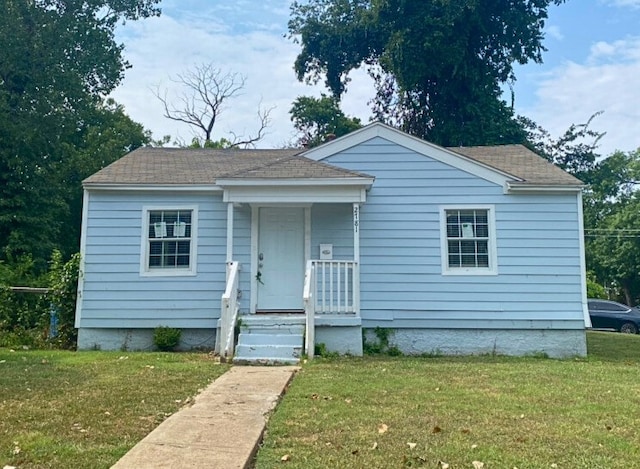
x=229, y=310
x=310, y=308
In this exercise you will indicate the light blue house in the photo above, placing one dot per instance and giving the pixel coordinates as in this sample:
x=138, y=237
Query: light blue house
x=456, y=250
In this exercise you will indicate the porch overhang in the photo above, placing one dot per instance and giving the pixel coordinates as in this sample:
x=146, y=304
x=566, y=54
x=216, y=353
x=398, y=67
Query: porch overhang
x=295, y=191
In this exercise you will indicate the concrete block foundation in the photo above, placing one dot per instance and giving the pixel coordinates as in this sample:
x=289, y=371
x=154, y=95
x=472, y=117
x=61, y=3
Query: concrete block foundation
x=553, y=343
x=141, y=339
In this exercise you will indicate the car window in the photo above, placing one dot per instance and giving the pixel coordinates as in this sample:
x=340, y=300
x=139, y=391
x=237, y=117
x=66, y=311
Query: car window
x=609, y=307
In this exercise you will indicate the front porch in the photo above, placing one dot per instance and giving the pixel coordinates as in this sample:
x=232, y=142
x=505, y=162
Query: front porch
x=301, y=260
x=331, y=317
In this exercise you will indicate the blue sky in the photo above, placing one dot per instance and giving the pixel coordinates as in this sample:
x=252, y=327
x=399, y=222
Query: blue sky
x=592, y=64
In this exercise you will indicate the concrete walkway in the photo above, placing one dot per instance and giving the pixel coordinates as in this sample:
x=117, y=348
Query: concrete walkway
x=222, y=429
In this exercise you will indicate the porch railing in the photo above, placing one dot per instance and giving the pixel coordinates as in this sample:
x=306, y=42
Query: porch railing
x=336, y=287
x=309, y=300
x=229, y=311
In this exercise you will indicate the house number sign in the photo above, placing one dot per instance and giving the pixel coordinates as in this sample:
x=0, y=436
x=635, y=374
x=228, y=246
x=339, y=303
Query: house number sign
x=356, y=217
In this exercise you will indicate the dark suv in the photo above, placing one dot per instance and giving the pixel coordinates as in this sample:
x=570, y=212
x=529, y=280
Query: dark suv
x=611, y=315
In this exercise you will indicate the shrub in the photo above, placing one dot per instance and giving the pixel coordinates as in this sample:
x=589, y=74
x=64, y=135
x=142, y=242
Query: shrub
x=63, y=291
x=166, y=338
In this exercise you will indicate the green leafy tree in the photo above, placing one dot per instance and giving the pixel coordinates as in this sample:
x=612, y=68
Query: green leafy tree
x=59, y=61
x=317, y=119
x=612, y=225
x=438, y=65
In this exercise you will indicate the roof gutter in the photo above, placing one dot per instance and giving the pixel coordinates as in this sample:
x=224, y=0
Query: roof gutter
x=99, y=186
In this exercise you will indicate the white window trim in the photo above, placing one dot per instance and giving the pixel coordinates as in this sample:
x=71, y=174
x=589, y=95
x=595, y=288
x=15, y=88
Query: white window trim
x=493, y=254
x=144, y=243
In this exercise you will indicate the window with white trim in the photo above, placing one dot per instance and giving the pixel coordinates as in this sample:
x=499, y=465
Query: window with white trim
x=169, y=241
x=468, y=240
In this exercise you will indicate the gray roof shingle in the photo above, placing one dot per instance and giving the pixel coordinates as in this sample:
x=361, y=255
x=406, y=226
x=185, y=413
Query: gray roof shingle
x=520, y=162
x=185, y=166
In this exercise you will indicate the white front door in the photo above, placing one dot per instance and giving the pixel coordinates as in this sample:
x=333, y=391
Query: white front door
x=280, y=258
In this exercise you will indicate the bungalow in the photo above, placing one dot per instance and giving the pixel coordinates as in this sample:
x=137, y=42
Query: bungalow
x=455, y=250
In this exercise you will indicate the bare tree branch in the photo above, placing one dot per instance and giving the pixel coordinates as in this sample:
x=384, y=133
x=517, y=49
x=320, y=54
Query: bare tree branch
x=207, y=90
x=264, y=119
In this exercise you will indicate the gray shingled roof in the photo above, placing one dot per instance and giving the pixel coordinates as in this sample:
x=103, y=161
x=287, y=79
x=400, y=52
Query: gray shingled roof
x=519, y=161
x=184, y=166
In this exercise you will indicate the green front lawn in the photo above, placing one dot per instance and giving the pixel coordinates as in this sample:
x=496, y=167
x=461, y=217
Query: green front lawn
x=76, y=410
x=499, y=412
x=85, y=410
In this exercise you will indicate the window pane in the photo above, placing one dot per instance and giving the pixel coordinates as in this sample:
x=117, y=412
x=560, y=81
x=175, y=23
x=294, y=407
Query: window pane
x=468, y=238
x=169, y=233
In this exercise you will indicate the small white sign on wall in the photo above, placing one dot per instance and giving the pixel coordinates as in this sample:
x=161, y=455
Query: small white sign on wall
x=326, y=252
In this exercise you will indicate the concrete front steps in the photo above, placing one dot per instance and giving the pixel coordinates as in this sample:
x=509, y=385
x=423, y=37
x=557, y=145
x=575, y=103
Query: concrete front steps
x=270, y=339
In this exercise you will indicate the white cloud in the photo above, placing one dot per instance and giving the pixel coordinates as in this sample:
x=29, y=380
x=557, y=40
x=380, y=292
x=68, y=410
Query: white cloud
x=164, y=47
x=554, y=32
x=624, y=3
x=608, y=81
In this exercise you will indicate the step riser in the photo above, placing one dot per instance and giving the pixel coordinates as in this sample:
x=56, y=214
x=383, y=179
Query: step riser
x=255, y=352
x=271, y=339
x=262, y=330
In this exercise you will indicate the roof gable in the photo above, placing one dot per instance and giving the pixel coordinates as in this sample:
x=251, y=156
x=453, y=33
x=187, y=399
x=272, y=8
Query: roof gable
x=505, y=165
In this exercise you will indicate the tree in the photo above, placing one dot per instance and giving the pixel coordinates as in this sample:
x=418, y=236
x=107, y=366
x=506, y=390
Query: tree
x=59, y=61
x=318, y=118
x=574, y=151
x=207, y=91
x=438, y=66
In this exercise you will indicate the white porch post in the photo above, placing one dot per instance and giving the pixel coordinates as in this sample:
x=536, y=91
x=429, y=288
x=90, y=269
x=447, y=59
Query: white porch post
x=356, y=258
x=356, y=232
x=229, y=232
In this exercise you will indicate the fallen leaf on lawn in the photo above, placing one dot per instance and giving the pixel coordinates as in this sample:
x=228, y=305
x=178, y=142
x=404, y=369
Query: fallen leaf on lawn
x=285, y=458
x=436, y=429
x=411, y=445
x=443, y=465
x=375, y=445
x=382, y=428
x=477, y=465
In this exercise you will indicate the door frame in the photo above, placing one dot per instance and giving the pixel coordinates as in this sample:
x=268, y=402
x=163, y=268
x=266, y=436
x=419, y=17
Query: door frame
x=255, y=230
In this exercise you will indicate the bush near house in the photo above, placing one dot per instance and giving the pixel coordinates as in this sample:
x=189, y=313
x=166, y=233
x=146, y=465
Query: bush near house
x=25, y=317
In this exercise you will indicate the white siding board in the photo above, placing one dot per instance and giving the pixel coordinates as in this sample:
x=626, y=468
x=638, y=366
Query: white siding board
x=537, y=243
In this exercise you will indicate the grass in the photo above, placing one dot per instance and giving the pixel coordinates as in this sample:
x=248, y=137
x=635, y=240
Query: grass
x=85, y=410
x=504, y=412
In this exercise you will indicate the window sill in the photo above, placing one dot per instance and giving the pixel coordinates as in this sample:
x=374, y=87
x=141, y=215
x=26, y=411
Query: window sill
x=168, y=273
x=470, y=272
